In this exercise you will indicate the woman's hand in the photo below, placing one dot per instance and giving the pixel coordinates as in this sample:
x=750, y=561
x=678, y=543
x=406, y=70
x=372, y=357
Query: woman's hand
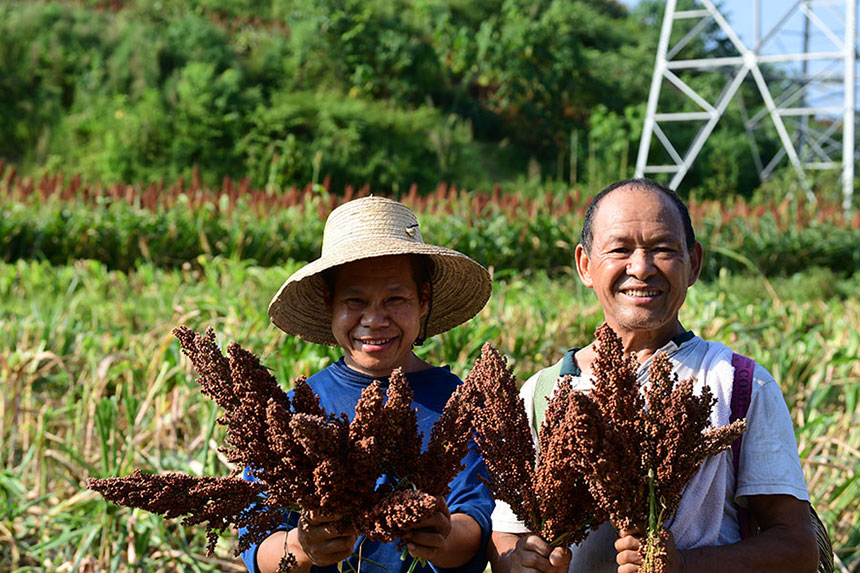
x=326, y=540
x=427, y=539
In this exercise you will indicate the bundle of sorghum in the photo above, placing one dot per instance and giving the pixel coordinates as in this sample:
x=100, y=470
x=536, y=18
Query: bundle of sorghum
x=303, y=458
x=543, y=489
x=638, y=450
x=217, y=501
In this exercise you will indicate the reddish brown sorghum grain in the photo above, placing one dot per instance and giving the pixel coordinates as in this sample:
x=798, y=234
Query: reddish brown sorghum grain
x=544, y=491
x=638, y=450
x=287, y=563
x=503, y=435
x=303, y=458
x=613, y=472
x=681, y=420
x=566, y=504
x=396, y=514
x=655, y=557
x=217, y=502
x=449, y=444
x=400, y=440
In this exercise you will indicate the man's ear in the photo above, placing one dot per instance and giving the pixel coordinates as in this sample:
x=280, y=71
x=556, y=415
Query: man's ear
x=582, y=265
x=696, y=256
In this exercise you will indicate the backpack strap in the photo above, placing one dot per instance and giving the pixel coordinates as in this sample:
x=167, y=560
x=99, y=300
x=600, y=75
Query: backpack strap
x=741, y=396
x=546, y=382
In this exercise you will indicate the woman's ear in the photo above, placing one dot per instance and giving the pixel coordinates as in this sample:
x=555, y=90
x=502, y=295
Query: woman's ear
x=424, y=297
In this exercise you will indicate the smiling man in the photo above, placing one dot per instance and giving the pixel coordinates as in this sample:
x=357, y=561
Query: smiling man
x=639, y=254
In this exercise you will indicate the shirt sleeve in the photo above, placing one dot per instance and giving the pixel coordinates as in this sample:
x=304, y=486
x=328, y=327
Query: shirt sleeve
x=505, y=521
x=769, y=462
x=249, y=556
x=471, y=497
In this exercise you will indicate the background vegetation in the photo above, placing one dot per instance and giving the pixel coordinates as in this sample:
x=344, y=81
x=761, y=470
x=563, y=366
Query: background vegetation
x=172, y=162
x=94, y=384
x=380, y=92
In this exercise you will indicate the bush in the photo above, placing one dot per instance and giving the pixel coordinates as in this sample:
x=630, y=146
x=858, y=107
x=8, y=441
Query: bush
x=507, y=232
x=300, y=135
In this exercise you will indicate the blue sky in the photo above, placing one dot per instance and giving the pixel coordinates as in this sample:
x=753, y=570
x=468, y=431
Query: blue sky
x=740, y=15
x=789, y=39
x=738, y=12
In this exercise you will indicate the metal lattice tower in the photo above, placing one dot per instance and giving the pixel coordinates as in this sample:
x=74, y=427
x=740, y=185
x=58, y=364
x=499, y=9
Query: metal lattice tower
x=808, y=94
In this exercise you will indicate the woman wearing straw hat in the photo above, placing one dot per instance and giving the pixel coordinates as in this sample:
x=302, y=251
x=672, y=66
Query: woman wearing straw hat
x=377, y=290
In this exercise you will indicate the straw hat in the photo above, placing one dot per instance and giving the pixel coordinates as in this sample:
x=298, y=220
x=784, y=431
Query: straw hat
x=375, y=227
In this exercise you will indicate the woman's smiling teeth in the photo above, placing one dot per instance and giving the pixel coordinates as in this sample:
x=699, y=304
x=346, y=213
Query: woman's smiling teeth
x=375, y=341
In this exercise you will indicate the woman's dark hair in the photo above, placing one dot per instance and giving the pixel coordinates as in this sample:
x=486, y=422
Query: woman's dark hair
x=636, y=184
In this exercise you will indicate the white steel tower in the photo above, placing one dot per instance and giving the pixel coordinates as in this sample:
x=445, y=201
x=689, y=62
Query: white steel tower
x=807, y=88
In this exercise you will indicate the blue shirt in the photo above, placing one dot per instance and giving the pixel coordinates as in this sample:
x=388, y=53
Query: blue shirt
x=339, y=389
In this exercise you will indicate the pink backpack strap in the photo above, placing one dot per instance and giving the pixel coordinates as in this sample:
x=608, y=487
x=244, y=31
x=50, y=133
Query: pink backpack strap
x=741, y=395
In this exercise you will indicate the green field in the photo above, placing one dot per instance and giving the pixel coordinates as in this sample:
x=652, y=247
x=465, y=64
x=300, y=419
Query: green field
x=493, y=120
x=95, y=384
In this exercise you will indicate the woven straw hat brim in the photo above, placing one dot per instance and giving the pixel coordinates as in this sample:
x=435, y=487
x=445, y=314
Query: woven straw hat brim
x=460, y=289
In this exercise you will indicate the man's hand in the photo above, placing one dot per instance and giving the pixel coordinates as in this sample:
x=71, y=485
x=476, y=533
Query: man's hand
x=627, y=545
x=326, y=540
x=785, y=543
x=629, y=559
x=427, y=539
x=519, y=554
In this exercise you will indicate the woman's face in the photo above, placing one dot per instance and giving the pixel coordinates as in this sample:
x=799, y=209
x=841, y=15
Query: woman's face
x=376, y=314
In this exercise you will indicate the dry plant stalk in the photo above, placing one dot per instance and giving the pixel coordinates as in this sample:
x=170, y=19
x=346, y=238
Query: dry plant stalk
x=638, y=450
x=304, y=458
x=543, y=489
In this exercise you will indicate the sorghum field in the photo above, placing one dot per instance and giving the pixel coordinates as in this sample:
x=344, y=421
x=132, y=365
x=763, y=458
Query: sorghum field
x=93, y=280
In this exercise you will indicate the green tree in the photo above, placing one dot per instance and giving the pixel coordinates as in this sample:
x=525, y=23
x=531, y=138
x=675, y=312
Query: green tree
x=542, y=66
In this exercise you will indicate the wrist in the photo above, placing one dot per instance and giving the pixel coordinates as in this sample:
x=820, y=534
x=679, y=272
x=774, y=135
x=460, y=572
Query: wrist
x=294, y=546
x=275, y=547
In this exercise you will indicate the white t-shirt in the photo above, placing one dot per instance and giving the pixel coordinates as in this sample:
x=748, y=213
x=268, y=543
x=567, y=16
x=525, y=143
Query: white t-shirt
x=769, y=463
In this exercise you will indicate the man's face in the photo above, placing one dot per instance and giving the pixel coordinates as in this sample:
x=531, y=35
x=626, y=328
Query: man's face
x=376, y=314
x=639, y=265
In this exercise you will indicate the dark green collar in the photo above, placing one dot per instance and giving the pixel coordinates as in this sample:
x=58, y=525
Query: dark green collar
x=570, y=367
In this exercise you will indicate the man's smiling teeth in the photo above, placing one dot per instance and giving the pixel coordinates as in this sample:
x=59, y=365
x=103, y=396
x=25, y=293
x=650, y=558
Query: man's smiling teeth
x=375, y=342
x=641, y=293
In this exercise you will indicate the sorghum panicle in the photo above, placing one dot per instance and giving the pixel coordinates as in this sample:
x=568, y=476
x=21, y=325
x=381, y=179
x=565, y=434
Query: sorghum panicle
x=440, y=463
x=503, y=435
x=565, y=501
x=303, y=458
x=217, y=502
x=638, y=450
x=400, y=435
x=397, y=513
